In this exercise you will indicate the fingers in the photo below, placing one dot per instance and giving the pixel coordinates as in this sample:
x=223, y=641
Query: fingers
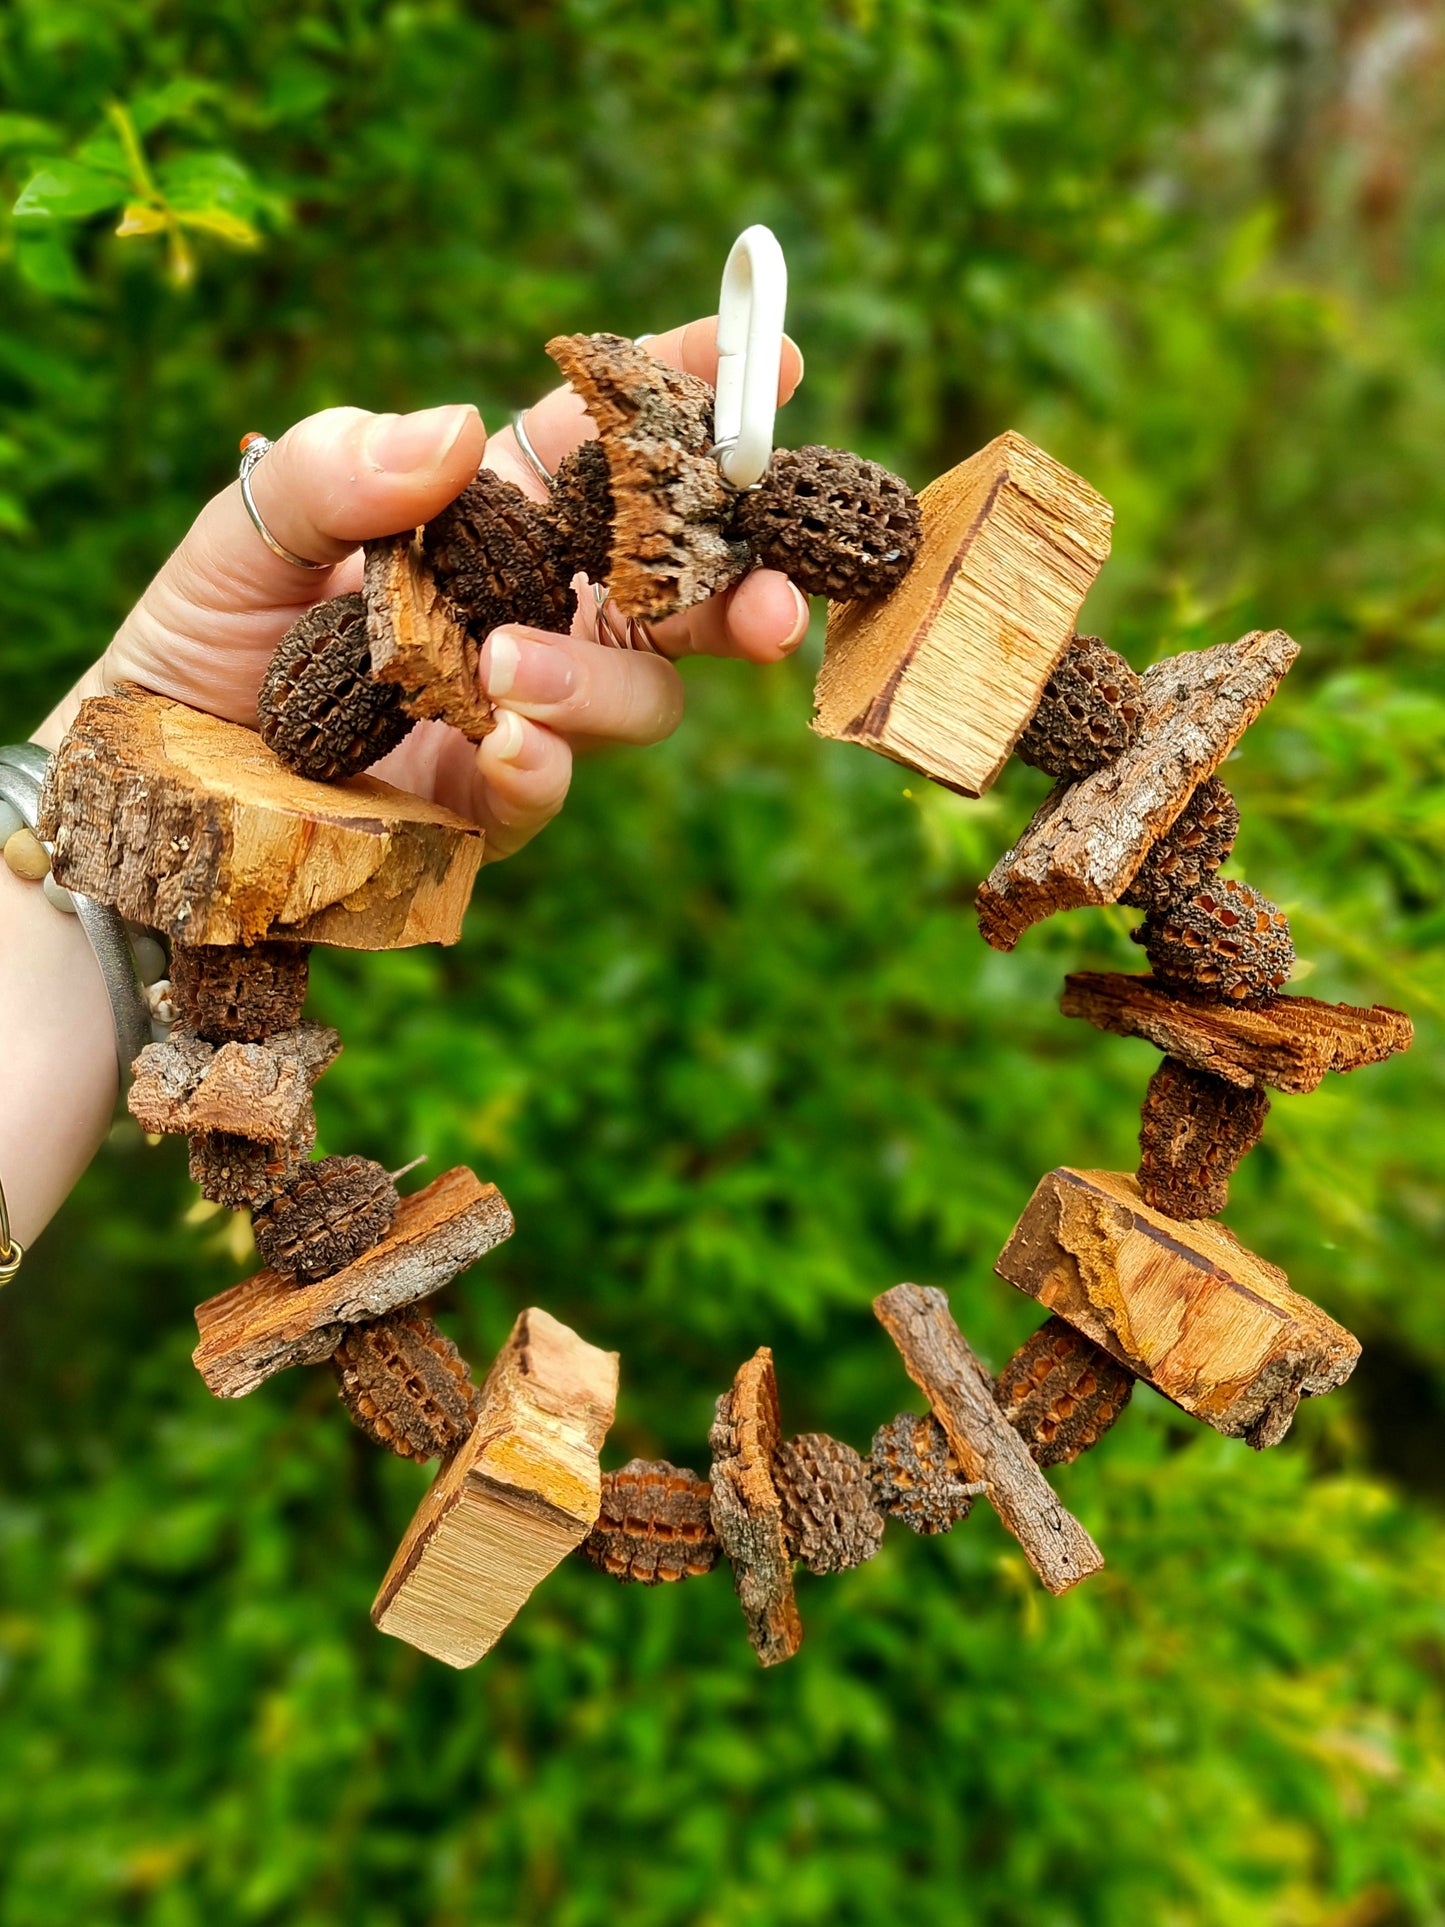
x=512, y=784
x=762, y=619
x=581, y=689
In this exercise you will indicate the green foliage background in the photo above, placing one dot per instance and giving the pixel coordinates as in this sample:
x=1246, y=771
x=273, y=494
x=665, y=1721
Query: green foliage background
x=726, y=1036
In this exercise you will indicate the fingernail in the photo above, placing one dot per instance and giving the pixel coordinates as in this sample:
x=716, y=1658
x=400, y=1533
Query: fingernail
x=527, y=671
x=508, y=737
x=800, y=627
x=402, y=444
x=798, y=352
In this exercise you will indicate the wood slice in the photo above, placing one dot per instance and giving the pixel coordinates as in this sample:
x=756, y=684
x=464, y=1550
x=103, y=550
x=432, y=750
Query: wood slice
x=418, y=641
x=256, y=1091
x=266, y=1323
x=1289, y=1044
x=1088, y=839
x=943, y=675
x=190, y=824
x=1179, y=1301
x=987, y=1448
x=522, y=1492
x=747, y=1511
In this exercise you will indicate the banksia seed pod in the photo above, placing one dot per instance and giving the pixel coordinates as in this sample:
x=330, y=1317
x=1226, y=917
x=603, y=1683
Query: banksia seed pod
x=330, y=1213
x=1088, y=713
x=829, y=1512
x=581, y=510
x=230, y=994
x=238, y=1172
x=839, y=526
x=1194, y=1132
x=1061, y=1392
x=1189, y=852
x=498, y=558
x=319, y=708
x=1227, y=941
x=406, y=1385
x=915, y=1476
x=655, y=1525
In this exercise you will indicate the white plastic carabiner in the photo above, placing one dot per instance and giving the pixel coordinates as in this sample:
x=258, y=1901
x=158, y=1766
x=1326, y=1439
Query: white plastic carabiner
x=750, y=313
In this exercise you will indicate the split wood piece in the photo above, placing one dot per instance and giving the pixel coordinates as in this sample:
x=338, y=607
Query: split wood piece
x=267, y=1323
x=986, y=1446
x=419, y=641
x=256, y=1091
x=1290, y=1043
x=944, y=674
x=1180, y=1302
x=1061, y=1392
x=1088, y=839
x=672, y=507
x=1195, y=1130
x=190, y=824
x=747, y=1510
x=510, y=1505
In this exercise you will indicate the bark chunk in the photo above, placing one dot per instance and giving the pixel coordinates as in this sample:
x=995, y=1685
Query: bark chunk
x=497, y=558
x=406, y=1385
x=915, y=1476
x=327, y=1216
x=1088, y=713
x=747, y=1511
x=318, y=707
x=1190, y=853
x=655, y=1525
x=828, y=1511
x=1061, y=1393
x=1227, y=941
x=230, y=993
x=837, y=525
x=1195, y=1131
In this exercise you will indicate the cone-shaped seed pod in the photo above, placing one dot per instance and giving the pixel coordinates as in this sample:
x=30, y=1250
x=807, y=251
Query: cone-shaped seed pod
x=1061, y=1393
x=839, y=526
x=1194, y=1132
x=226, y=993
x=406, y=1385
x=1190, y=852
x=319, y=709
x=581, y=510
x=240, y=1173
x=498, y=558
x=829, y=1512
x=328, y=1214
x=655, y=1525
x=915, y=1476
x=1225, y=941
x=1088, y=713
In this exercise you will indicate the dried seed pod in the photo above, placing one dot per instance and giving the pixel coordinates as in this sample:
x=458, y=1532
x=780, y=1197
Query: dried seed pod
x=1061, y=1393
x=1226, y=941
x=581, y=510
x=230, y=994
x=238, y=1172
x=916, y=1477
x=1195, y=1131
x=837, y=525
x=406, y=1385
x=655, y=1525
x=829, y=1513
x=1088, y=713
x=328, y=1214
x=319, y=708
x=499, y=559
x=1189, y=852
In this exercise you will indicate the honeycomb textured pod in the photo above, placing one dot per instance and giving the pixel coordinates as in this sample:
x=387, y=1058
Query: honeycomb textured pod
x=581, y=510
x=838, y=525
x=319, y=709
x=499, y=559
x=1061, y=1393
x=1189, y=854
x=327, y=1215
x=1226, y=941
x=1088, y=713
x=915, y=1476
x=228, y=994
x=1194, y=1132
x=829, y=1512
x=655, y=1525
x=406, y=1385
x=240, y=1173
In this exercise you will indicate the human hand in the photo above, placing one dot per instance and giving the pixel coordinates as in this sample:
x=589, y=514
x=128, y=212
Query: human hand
x=204, y=630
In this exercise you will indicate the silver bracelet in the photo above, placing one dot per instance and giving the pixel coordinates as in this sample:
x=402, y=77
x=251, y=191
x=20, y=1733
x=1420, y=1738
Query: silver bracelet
x=22, y=773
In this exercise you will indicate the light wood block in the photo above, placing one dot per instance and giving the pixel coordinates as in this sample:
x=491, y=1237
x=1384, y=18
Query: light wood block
x=508, y=1507
x=256, y=1091
x=988, y=1449
x=1290, y=1043
x=268, y=1322
x=1179, y=1301
x=417, y=641
x=1087, y=839
x=943, y=674
x=747, y=1513
x=190, y=824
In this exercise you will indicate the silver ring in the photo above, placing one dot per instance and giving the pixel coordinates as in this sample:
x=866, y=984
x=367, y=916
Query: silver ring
x=253, y=447
x=529, y=454
x=616, y=631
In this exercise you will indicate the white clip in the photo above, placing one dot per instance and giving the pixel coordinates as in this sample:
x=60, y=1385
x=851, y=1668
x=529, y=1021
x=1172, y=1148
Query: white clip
x=750, y=314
